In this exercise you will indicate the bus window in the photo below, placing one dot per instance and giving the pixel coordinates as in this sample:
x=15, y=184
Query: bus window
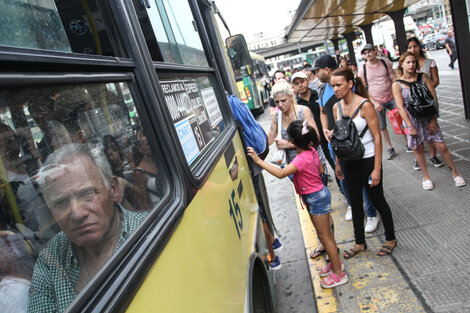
x=67, y=26
x=168, y=40
x=77, y=178
x=195, y=112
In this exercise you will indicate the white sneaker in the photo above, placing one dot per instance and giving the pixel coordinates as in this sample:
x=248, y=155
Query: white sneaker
x=371, y=224
x=459, y=181
x=348, y=215
x=427, y=184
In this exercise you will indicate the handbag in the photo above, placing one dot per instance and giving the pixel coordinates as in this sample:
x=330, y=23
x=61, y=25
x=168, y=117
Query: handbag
x=279, y=157
x=396, y=120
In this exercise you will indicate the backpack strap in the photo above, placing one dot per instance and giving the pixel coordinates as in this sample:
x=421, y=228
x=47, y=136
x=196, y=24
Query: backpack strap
x=322, y=91
x=339, y=108
x=364, y=68
x=404, y=82
x=357, y=111
x=420, y=77
x=384, y=64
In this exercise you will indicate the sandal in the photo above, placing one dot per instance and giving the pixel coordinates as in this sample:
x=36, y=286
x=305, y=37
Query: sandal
x=328, y=269
x=352, y=252
x=334, y=281
x=387, y=249
x=317, y=252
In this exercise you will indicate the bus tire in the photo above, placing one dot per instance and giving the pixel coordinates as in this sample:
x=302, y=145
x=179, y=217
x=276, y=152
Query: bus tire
x=261, y=298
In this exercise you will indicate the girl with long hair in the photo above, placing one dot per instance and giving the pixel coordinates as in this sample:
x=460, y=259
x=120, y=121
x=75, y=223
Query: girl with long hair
x=428, y=67
x=306, y=168
x=367, y=171
x=421, y=129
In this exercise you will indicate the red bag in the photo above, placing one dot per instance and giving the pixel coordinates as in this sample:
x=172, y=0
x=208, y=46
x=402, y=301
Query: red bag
x=397, y=123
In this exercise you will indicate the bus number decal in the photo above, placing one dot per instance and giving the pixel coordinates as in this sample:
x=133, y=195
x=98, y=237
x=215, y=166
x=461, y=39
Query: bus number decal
x=236, y=214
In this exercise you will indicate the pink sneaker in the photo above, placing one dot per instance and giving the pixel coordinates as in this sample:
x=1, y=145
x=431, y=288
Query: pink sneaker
x=333, y=281
x=328, y=269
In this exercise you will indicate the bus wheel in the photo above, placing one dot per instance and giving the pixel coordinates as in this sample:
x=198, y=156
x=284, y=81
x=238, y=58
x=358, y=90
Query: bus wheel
x=260, y=291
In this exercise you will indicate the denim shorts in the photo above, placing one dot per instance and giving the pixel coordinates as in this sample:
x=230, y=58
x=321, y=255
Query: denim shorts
x=383, y=114
x=318, y=203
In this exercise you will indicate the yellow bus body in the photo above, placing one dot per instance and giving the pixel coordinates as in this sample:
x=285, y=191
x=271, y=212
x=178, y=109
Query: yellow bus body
x=204, y=266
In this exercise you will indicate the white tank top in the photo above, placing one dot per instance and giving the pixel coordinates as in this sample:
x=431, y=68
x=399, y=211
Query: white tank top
x=367, y=140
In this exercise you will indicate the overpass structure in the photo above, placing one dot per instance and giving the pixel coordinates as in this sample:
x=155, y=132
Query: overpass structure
x=293, y=48
x=319, y=20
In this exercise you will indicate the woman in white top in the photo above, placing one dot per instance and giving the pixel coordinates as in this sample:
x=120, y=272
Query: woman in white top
x=428, y=67
x=367, y=171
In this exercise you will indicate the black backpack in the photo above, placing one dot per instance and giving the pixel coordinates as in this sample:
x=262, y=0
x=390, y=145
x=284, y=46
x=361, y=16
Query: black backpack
x=421, y=102
x=345, y=141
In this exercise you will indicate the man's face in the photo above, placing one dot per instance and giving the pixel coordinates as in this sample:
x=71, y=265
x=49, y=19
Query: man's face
x=323, y=75
x=300, y=85
x=279, y=76
x=369, y=55
x=80, y=201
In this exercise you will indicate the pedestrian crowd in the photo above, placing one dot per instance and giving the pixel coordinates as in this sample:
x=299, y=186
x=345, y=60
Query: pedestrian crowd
x=335, y=114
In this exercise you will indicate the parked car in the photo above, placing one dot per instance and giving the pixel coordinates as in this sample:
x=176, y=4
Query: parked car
x=435, y=41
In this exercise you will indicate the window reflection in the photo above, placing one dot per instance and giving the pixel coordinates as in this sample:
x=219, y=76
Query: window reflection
x=77, y=177
x=168, y=40
x=66, y=25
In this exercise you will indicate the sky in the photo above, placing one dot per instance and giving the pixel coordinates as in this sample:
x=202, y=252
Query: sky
x=248, y=17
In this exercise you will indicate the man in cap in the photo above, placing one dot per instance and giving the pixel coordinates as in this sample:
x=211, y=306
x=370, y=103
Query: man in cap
x=309, y=98
x=312, y=77
x=377, y=74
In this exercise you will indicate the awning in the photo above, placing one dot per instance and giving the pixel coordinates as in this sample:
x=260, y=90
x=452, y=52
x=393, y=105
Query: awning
x=317, y=20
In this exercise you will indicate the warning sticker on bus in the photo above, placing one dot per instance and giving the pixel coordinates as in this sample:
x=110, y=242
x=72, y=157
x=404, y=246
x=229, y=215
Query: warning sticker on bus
x=189, y=116
x=212, y=107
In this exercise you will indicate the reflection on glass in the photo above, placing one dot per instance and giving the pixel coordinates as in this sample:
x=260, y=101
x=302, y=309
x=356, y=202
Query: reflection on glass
x=68, y=26
x=77, y=178
x=167, y=39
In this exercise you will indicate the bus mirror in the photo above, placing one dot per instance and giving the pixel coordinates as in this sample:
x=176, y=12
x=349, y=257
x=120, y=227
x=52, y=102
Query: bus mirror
x=238, y=53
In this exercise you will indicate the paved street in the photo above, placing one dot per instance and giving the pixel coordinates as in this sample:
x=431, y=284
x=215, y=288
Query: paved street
x=428, y=271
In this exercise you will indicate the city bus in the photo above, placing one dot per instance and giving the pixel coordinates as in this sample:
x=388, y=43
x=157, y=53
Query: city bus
x=137, y=90
x=251, y=73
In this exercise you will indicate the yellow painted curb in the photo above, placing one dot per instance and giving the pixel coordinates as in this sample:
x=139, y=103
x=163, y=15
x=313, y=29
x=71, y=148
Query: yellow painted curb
x=324, y=298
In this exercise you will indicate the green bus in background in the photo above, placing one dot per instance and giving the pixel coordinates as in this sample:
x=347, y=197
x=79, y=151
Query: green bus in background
x=251, y=74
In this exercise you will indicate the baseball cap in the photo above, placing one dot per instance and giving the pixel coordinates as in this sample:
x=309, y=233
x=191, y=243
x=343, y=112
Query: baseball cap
x=325, y=61
x=299, y=75
x=369, y=46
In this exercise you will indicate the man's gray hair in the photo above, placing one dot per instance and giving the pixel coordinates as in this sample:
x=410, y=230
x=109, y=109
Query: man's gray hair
x=56, y=160
x=282, y=88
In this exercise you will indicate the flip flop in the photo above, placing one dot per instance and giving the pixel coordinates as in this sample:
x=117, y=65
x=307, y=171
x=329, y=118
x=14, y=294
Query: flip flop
x=387, y=249
x=347, y=254
x=316, y=253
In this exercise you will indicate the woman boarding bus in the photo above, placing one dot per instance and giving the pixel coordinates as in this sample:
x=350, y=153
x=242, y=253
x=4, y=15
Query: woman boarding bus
x=169, y=211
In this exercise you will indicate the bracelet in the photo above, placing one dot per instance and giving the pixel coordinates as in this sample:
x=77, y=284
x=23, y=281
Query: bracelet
x=411, y=127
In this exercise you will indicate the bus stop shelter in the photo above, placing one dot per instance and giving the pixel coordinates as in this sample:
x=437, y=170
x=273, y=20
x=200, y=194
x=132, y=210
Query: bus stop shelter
x=319, y=20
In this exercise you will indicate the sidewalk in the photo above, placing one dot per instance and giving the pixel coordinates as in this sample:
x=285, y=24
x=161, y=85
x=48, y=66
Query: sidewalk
x=429, y=271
